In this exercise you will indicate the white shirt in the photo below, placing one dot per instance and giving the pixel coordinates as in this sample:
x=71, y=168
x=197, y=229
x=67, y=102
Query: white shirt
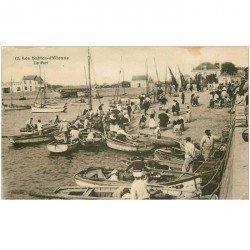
x=208, y=142
x=90, y=136
x=139, y=190
x=189, y=150
x=74, y=134
x=39, y=126
x=113, y=177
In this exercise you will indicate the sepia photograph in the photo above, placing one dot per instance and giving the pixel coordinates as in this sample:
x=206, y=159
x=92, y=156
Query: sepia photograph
x=125, y=123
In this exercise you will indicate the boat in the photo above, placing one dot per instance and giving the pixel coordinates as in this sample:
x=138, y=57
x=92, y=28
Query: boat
x=79, y=102
x=97, y=141
x=162, y=141
x=46, y=109
x=46, y=128
x=30, y=138
x=16, y=107
x=111, y=193
x=128, y=146
x=59, y=147
x=92, y=177
x=43, y=106
x=13, y=107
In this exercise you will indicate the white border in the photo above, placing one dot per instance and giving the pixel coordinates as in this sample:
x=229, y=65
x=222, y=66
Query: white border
x=120, y=224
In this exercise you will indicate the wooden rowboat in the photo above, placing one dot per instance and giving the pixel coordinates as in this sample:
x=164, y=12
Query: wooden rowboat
x=48, y=109
x=93, y=177
x=16, y=107
x=59, y=147
x=163, y=141
x=128, y=146
x=110, y=193
x=97, y=141
x=30, y=139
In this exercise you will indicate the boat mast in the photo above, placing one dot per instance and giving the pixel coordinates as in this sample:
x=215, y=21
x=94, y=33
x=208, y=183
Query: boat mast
x=45, y=86
x=166, y=79
x=156, y=72
x=90, y=98
x=147, y=86
x=40, y=84
x=11, y=98
x=123, y=79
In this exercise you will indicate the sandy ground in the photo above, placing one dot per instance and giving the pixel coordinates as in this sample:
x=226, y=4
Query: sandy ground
x=203, y=118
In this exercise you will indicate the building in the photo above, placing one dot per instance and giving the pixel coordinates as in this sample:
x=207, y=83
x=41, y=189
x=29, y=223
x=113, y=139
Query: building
x=140, y=81
x=206, y=68
x=16, y=87
x=32, y=83
x=28, y=84
x=226, y=78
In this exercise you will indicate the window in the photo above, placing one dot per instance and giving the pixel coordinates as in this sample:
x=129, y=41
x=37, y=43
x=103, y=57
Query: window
x=25, y=88
x=30, y=88
x=139, y=85
x=18, y=89
x=30, y=81
x=24, y=82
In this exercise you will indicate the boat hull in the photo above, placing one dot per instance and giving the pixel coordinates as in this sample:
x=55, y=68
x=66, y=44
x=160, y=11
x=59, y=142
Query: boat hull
x=25, y=140
x=60, y=148
x=117, y=145
x=48, y=110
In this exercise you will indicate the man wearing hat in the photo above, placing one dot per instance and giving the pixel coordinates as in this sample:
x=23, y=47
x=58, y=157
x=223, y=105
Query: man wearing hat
x=74, y=133
x=64, y=129
x=189, y=156
x=207, y=144
x=139, y=187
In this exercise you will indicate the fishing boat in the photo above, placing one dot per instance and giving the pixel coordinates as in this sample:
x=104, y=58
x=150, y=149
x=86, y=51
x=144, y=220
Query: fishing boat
x=160, y=142
x=30, y=139
x=97, y=141
x=59, y=147
x=92, y=177
x=43, y=106
x=16, y=107
x=111, y=193
x=128, y=146
x=46, y=128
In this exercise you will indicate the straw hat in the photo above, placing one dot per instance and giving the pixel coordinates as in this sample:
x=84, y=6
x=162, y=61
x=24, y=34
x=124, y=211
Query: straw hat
x=137, y=174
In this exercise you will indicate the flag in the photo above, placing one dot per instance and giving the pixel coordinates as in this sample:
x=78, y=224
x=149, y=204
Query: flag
x=174, y=82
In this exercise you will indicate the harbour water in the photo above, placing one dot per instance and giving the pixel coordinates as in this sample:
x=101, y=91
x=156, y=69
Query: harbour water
x=33, y=169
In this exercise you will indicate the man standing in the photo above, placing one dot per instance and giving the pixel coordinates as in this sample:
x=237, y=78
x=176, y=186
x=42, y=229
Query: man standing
x=139, y=188
x=207, y=144
x=129, y=109
x=39, y=127
x=182, y=97
x=189, y=156
x=64, y=128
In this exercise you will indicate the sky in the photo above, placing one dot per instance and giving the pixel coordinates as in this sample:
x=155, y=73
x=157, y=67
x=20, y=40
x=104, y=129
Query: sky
x=107, y=62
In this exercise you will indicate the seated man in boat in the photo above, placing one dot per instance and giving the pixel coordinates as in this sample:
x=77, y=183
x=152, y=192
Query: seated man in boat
x=74, y=134
x=29, y=125
x=64, y=129
x=137, y=165
x=122, y=135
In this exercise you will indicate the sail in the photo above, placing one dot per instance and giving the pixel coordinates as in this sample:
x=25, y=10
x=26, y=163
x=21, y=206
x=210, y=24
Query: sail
x=183, y=81
x=174, y=82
